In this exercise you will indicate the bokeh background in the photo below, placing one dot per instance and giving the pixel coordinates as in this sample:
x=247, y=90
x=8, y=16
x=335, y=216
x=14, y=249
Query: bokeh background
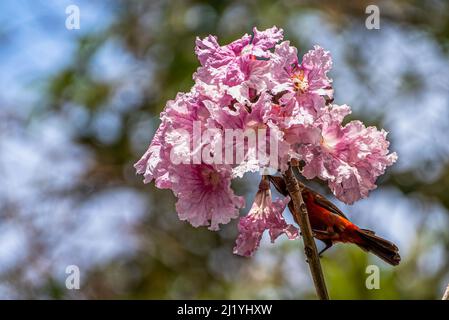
x=78, y=108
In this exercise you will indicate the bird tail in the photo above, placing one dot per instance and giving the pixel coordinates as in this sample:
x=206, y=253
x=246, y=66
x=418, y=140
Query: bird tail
x=382, y=248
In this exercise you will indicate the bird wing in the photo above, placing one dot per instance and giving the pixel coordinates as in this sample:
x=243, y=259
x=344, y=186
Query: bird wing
x=320, y=200
x=323, y=202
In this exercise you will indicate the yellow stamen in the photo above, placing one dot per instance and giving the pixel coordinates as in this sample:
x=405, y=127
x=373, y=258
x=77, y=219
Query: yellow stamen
x=211, y=177
x=300, y=82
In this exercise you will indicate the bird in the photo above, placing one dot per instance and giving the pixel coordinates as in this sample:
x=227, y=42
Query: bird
x=330, y=225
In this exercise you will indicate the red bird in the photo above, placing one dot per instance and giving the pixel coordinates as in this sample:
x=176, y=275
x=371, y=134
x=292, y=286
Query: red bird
x=330, y=225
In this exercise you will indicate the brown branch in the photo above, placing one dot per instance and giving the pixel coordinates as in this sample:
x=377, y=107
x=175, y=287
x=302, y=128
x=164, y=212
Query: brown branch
x=302, y=218
x=446, y=294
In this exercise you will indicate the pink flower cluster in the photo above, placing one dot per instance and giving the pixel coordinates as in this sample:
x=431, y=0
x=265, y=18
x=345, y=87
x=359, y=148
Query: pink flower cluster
x=254, y=82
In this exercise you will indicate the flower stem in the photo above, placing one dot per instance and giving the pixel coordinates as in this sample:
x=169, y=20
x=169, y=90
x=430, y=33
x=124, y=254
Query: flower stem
x=302, y=218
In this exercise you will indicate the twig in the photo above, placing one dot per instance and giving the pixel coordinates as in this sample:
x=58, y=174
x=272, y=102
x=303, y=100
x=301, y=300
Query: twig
x=446, y=294
x=302, y=218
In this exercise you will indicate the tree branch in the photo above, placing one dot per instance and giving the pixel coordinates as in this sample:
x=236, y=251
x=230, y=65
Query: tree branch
x=446, y=294
x=302, y=218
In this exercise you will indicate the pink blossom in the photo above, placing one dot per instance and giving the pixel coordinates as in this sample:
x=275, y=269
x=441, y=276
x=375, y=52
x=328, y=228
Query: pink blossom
x=284, y=62
x=205, y=197
x=230, y=110
x=264, y=214
x=265, y=40
x=179, y=114
x=155, y=162
x=316, y=64
x=301, y=83
x=349, y=157
x=238, y=61
x=245, y=85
